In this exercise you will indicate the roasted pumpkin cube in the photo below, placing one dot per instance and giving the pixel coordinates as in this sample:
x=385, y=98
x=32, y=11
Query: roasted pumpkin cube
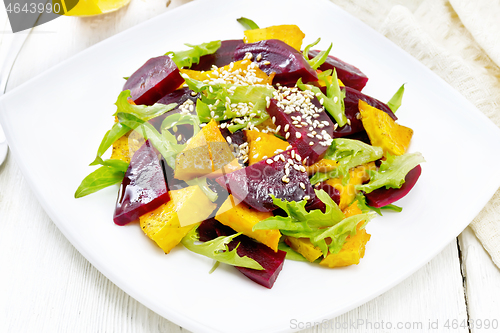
x=358, y=176
x=263, y=145
x=354, y=248
x=242, y=218
x=304, y=247
x=383, y=131
x=125, y=147
x=238, y=68
x=321, y=166
x=205, y=153
x=170, y=222
x=290, y=34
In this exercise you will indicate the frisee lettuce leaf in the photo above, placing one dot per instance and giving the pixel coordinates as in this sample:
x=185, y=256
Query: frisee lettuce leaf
x=143, y=112
x=185, y=59
x=392, y=207
x=396, y=100
x=110, y=173
x=333, y=101
x=313, y=225
x=392, y=172
x=217, y=249
x=291, y=254
x=339, y=232
x=320, y=58
x=217, y=95
x=247, y=23
x=349, y=154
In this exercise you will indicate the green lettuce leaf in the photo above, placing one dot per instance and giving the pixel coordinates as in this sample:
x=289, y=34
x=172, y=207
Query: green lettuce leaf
x=143, y=112
x=339, y=232
x=392, y=207
x=166, y=144
x=396, y=100
x=185, y=59
x=320, y=58
x=349, y=154
x=333, y=101
x=290, y=253
x=247, y=23
x=110, y=173
x=119, y=129
x=215, y=101
x=300, y=223
x=392, y=172
x=217, y=249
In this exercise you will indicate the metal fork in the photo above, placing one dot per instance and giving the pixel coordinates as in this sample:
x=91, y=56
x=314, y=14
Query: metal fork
x=9, y=50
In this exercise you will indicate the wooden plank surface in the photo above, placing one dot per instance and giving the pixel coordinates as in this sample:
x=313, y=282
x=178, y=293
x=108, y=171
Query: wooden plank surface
x=482, y=287
x=47, y=286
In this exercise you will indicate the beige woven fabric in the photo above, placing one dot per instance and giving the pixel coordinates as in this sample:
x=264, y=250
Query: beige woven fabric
x=460, y=41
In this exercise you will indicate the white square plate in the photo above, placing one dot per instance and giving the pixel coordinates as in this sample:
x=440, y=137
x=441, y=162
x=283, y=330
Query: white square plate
x=55, y=122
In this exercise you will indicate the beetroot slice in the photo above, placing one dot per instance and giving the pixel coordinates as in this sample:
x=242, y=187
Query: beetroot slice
x=383, y=197
x=143, y=188
x=349, y=75
x=254, y=184
x=279, y=57
x=311, y=153
x=156, y=78
x=351, y=111
x=222, y=57
x=271, y=261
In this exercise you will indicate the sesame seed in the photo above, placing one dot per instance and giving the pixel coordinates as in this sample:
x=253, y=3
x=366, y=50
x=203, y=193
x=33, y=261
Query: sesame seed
x=264, y=157
x=287, y=126
x=293, y=153
x=287, y=135
x=179, y=137
x=277, y=151
x=285, y=179
x=229, y=140
x=358, y=115
x=269, y=161
x=335, y=99
x=276, y=158
x=348, y=121
x=259, y=56
x=303, y=185
x=335, y=126
x=296, y=167
x=175, y=129
x=273, y=119
x=298, y=135
x=282, y=158
x=258, y=139
x=306, y=197
x=311, y=143
x=256, y=155
x=297, y=157
x=266, y=62
x=278, y=128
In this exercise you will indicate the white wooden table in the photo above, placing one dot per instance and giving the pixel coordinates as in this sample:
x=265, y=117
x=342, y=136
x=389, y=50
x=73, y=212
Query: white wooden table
x=47, y=286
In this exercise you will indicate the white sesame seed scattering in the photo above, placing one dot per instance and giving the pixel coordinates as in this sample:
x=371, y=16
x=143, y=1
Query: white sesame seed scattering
x=303, y=113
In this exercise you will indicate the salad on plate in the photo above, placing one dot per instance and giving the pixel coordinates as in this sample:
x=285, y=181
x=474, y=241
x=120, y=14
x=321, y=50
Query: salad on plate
x=253, y=151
